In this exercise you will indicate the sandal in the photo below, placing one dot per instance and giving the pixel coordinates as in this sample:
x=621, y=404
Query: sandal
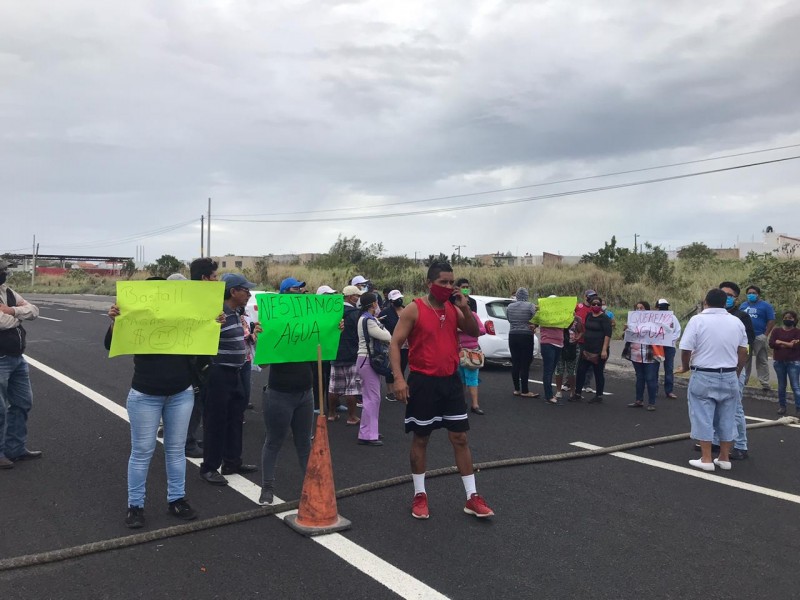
x=354, y=422
x=637, y=404
x=333, y=419
x=516, y=393
x=530, y=395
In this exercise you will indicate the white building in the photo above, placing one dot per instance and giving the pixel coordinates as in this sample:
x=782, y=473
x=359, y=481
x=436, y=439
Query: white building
x=777, y=244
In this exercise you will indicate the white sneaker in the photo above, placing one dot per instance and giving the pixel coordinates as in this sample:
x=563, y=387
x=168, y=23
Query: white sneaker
x=564, y=388
x=558, y=395
x=699, y=464
x=588, y=390
x=725, y=465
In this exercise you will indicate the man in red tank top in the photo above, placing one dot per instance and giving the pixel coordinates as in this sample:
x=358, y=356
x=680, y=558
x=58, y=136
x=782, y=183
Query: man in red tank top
x=434, y=395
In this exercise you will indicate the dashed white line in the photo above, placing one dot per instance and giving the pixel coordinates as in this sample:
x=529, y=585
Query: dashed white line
x=400, y=582
x=691, y=472
x=49, y=319
x=85, y=312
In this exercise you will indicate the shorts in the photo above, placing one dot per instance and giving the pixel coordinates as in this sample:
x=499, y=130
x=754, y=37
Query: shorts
x=468, y=376
x=564, y=366
x=344, y=380
x=712, y=405
x=435, y=402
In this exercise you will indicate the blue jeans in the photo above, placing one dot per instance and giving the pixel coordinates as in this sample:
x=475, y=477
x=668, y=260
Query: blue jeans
x=145, y=412
x=669, y=369
x=550, y=356
x=646, y=374
x=784, y=368
x=16, y=398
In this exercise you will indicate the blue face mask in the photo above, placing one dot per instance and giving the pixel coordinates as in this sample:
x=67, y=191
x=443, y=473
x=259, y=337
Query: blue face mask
x=729, y=302
x=752, y=297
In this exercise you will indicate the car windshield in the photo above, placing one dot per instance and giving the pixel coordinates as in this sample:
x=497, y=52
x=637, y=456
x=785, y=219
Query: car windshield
x=497, y=309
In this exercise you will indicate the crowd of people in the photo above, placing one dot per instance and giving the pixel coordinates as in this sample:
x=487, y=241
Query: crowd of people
x=428, y=352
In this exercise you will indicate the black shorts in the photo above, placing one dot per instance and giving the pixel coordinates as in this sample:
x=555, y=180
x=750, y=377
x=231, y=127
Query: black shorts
x=435, y=402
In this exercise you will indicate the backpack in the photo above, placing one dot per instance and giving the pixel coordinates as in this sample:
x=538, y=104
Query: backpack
x=378, y=352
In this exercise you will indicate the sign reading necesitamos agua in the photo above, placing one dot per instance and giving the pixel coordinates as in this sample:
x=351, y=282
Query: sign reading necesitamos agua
x=556, y=312
x=167, y=317
x=294, y=324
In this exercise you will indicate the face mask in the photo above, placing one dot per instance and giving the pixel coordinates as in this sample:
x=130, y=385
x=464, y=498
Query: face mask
x=465, y=291
x=789, y=323
x=441, y=293
x=752, y=297
x=597, y=309
x=729, y=302
x=3, y=277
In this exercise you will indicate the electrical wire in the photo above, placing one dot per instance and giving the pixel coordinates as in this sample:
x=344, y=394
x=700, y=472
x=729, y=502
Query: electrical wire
x=512, y=201
x=521, y=187
x=122, y=240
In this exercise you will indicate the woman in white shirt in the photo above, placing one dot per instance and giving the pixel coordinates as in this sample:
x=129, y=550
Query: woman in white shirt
x=370, y=380
x=646, y=367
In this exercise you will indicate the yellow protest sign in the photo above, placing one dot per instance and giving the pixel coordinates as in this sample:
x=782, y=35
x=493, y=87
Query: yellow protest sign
x=556, y=312
x=294, y=324
x=167, y=317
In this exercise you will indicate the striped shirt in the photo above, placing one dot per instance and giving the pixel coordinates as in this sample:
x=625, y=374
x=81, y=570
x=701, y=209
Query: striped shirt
x=232, y=351
x=519, y=317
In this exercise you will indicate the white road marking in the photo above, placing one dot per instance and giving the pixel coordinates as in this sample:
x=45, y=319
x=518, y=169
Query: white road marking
x=400, y=582
x=85, y=312
x=49, y=319
x=63, y=309
x=692, y=472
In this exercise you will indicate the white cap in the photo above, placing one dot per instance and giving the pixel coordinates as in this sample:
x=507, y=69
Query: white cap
x=552, y=296
x=351, y=290
x=394, y=295
x=176, y=277
x=662, y=301
x=325, y=289
x=358, y=280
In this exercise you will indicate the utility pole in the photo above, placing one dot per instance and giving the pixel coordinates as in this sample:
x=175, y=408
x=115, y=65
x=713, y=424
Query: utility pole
x=635, y=243
x=202, y=232
x=35, y=252
x=208, y=237
x=458, y=249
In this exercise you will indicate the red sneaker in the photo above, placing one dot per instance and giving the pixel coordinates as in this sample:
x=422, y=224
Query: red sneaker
x=477, y=506
x=419, y=507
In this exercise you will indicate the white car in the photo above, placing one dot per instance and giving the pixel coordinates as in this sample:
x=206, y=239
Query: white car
x=492, y=312
x=251, y=310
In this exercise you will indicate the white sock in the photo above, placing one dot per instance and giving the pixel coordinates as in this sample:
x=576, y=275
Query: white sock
x=469, y=485
x=419, y=483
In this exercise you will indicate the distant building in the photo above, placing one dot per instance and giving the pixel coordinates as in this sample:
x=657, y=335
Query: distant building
x=232, y=262
x=777, y=244
x=547, y=259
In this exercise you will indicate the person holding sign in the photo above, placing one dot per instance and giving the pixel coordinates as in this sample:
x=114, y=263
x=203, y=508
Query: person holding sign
x=644, y=365
x=288, y=402
x=344, y=374
x=434, y=396
x=370, y=380
x=225, y=401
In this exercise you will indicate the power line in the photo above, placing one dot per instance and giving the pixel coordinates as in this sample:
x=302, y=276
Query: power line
x=124, y=240
x=522, y=187
x=515, y=200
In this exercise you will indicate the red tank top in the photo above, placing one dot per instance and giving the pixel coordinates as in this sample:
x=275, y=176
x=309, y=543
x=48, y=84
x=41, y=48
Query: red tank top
x=433, y=343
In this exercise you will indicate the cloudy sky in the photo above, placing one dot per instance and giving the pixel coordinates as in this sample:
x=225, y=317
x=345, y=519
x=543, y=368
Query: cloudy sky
x=120, y=119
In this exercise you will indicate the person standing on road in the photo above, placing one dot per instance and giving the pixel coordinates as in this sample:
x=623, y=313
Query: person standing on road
x=326, y=364
x=16, y=394
x=568, y=359
x=582, y=310
x=390, y=315
x=785, y=344
x=161, y=390
x=201, y=269
x=520, y=341
x=288, y=402
x=714, y=347
x=225, y=401
x=470, y=377
x=551, y=340
x=368, y=434
x=762, y=314
x=645, y=366
x=344, y=373
x=669, y=352
x=594, y=351
x=434, y=396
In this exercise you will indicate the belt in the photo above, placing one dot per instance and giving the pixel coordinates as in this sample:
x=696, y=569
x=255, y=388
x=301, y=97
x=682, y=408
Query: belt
x=720, y=370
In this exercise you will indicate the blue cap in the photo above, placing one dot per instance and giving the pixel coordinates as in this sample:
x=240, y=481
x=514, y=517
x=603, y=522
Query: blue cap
x=291, y=282
x=233, y=280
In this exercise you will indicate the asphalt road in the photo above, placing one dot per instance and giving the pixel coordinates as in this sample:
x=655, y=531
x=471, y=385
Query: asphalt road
x=601, y=527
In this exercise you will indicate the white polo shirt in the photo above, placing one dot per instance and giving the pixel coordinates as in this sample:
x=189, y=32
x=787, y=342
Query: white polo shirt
x=714, y=337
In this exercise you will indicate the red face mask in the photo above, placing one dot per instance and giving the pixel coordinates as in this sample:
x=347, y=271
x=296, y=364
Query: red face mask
x=441, y=293
x=597, y=309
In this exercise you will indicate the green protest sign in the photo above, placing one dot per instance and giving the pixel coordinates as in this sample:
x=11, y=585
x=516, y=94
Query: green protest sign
x=556, y=312
x=294, y=324
x=167, y=317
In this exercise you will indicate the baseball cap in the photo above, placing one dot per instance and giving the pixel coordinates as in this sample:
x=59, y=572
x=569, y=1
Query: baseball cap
x=394, y=295
x=233, y=280
x=291, y=282
x=662, y=301
x=589, y=294
x=358, y=280
x=325, y=289
x=351, y=290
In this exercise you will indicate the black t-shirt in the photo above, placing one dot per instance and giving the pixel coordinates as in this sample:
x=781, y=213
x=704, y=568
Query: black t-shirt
x=597, y=329
x=291, y=377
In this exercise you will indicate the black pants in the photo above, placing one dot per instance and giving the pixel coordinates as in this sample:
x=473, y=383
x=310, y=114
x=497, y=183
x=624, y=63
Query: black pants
x=599, y=375
x=222, y=419
x=521, y=347
x=326, y=379
x=194, y=420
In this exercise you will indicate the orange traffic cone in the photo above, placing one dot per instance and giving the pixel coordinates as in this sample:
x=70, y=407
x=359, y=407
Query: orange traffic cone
x=318, y=513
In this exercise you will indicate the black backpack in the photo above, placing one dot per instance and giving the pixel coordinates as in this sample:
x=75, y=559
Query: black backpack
x=378, y=352
x=12, y=341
